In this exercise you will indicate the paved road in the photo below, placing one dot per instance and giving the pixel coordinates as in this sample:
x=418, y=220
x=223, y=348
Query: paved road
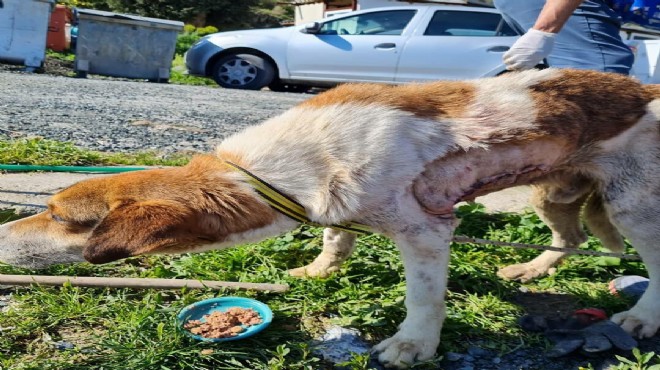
x=125, y=116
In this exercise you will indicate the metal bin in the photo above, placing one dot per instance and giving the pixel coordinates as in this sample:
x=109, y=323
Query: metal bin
x=23, y=30
x=123, y=45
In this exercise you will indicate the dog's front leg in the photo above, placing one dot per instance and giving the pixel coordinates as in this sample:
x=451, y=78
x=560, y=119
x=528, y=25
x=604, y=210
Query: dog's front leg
x=337, y=247
x=425, y=254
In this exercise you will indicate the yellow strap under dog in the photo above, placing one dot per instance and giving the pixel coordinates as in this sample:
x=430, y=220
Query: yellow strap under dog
x=289, y=207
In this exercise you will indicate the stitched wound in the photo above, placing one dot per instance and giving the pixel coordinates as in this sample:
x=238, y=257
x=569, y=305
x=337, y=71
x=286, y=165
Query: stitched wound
x=465, y=175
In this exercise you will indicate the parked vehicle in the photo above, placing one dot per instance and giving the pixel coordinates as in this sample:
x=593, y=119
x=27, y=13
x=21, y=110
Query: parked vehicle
x=645, y=44
x=398, y=44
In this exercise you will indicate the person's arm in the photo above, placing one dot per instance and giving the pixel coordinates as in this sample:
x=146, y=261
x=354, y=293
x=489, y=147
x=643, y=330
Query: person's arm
x=554, y=15
x=532, y=47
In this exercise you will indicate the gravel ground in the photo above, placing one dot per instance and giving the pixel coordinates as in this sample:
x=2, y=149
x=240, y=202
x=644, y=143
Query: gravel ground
x=125, y=116
x=117, y=115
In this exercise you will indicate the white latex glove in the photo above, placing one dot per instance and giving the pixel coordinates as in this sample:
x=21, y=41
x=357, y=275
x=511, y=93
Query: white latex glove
x=529, y=50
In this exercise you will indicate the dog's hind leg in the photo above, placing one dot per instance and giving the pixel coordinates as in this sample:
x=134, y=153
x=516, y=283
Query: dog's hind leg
x=599, y=223
x=563, y=219
x=337, y=247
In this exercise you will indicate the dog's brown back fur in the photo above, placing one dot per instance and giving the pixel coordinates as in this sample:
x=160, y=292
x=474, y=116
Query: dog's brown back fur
x=585, y=98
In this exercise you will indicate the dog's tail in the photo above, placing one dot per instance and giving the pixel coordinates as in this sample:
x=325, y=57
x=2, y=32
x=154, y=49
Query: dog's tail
x=596, y=218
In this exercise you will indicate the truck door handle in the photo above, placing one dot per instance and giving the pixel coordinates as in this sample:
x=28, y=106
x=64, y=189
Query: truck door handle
x=385, y=46
x=497, y=49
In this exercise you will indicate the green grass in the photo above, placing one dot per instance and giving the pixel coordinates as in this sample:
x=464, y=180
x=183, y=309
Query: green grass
x=178, y=75
x=125, y=329
x=65, y=56
x=133, y=329
x=39, y=151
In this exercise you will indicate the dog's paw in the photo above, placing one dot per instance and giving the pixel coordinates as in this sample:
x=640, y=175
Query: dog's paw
x=401, y=352
x=639, y=322
x=523, y=272
x=314, y=271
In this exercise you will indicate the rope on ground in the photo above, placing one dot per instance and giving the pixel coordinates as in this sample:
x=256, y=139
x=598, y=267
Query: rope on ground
x=466, y=239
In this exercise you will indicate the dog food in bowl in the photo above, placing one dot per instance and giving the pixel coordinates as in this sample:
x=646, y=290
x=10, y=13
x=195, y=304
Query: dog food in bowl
x=226, y=319
x=225, y=324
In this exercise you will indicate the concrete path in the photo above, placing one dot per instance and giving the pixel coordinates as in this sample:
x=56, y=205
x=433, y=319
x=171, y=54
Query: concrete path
x=507, y=200
x=27, y=192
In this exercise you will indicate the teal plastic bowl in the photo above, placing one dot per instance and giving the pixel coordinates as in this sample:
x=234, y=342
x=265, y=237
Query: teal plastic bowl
x=197, y=310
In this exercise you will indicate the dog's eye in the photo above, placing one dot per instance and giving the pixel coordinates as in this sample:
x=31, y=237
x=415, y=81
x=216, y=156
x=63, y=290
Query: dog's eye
x=57, y=218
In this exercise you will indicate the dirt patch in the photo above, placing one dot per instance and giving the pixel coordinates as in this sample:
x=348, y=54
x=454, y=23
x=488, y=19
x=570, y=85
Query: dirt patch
x=51, y=66
x=11, y=67
x=548, y=305
x=81, y=337
x=58, y=67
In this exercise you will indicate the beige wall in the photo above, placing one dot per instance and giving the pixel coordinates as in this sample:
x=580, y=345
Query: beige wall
x=309, y=12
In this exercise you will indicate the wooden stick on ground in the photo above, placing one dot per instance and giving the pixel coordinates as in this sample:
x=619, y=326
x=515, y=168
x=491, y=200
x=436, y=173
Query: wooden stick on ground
x=138, y=283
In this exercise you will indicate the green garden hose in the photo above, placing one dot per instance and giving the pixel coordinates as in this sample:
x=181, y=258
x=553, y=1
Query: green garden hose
x=31, y=168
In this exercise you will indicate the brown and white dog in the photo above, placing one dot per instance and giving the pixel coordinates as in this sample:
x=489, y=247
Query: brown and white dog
x=396, y=159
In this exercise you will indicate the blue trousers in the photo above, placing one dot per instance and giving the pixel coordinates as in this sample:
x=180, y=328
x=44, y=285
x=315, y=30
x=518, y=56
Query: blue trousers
x=589, y=40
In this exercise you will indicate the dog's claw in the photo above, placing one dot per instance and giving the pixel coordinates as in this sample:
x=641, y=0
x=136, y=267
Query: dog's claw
x=637, y=323
x=401, y=353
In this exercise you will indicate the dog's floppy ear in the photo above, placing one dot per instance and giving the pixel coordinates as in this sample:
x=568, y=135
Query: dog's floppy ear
x=142, y=227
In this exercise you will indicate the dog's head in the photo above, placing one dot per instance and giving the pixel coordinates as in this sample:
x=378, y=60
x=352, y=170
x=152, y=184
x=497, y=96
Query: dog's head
x=196, y=207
